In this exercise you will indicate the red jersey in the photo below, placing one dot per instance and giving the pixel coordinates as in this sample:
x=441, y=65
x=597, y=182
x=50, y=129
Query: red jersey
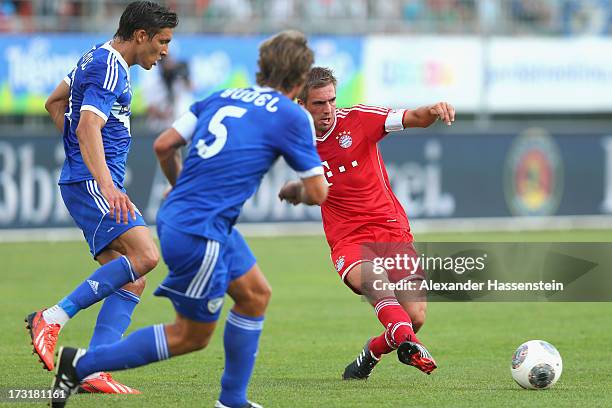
x=359, y=189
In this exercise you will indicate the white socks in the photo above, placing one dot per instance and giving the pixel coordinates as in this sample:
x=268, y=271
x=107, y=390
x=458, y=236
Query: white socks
x=56, y=315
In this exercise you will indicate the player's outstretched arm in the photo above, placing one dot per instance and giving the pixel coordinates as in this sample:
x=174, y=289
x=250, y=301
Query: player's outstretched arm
x=309, y=191
x=167, y=149
x=426, y=115
x=56, y=104
x=92, y=149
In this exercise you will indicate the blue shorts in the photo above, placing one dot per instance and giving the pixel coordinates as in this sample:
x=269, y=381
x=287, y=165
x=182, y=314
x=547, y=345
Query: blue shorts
x=200, y=270
x=89, y=210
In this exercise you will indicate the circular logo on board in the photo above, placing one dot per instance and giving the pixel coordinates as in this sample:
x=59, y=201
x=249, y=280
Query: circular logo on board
x=533, y=175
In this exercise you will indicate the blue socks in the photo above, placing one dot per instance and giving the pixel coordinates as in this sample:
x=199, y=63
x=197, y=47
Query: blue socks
x=241, y=340
x=148, y=345
x=142, y=347
x=114, y=318
x=104, y=281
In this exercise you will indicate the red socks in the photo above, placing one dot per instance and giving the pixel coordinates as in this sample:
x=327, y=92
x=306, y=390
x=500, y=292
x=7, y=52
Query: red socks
x=397, y=323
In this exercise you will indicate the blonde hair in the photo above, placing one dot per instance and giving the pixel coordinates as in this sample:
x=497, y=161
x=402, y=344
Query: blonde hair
x=284, y=60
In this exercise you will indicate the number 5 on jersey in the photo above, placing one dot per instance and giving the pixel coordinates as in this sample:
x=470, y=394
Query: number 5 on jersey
x=218, y=130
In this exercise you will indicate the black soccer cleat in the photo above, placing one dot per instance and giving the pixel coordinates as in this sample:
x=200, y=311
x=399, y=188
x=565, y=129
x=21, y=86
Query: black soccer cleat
x=416, y=355
x=65, y=382
x=362, y=366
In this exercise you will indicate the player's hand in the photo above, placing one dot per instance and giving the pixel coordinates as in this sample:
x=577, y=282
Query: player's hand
x=444, y=111
x=119, y=204
x=290, y=192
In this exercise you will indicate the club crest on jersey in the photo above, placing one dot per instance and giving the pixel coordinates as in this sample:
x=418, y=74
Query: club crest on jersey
x=339, y=263
x=345, y=140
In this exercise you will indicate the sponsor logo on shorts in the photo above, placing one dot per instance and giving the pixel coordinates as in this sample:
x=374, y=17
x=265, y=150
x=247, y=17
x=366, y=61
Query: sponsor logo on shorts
x=215, y=304
x=340, y=263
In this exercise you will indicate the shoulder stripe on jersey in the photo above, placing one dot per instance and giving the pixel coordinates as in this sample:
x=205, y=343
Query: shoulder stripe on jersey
x=385, y=113
x=116, y=67
x=113, y=76
x=112, y=71
x=380, y=108
x=108, y=70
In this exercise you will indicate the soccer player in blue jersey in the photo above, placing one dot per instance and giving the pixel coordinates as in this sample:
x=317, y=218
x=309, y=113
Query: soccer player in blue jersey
x=92, y=109
x=234, y=137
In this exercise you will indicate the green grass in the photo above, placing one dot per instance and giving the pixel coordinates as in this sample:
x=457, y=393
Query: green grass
x=314, y=327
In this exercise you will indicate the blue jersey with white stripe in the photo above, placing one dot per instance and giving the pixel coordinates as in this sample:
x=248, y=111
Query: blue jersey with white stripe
x=236, y=135
x=99, y=83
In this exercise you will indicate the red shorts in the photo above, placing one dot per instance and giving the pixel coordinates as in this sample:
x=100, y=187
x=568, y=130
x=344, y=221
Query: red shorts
x=380, y=246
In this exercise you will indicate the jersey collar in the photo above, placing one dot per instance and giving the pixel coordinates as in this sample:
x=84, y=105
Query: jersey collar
x=109, y=47
x=329, y=131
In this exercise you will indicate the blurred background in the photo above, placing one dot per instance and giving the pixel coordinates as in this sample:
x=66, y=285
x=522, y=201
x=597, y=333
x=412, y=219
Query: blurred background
x=531, y=81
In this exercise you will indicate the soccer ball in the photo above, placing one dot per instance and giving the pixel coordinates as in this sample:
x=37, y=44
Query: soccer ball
x=536, y=365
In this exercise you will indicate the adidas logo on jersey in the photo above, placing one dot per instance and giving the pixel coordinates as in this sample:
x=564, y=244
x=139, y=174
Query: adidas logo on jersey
x=94, y=285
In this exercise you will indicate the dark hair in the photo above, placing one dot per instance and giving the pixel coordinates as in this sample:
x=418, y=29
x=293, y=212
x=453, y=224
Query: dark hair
x=318, y=77
x=284, y=60
x=145, y=15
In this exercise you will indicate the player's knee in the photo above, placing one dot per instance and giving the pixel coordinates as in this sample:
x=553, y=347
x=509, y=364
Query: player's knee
x=259, y=300
x=137, y=287
x=146, y=260
x=196, y=342
x=263, y=294
x=255, y=301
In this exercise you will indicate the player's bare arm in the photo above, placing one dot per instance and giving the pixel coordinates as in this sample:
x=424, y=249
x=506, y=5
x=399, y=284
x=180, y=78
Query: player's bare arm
x=56, y=104
x=90, y=143
x=425, y=116
x=309, y=191
x=167, y=149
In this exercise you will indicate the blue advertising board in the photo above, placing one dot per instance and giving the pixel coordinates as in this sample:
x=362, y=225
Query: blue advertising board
x=442, y=176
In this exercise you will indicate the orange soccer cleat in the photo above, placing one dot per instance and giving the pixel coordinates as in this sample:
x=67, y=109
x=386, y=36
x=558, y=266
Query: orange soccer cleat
x=44, y=337
x=103, y=383
x=416, y=355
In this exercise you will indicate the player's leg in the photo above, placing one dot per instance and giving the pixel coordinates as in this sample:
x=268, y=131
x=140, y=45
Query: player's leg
x=139, y=255
x=251, y=293
x=411, y=297
x=197, y=276
x=373, y=284
x=132, y=240
x=116, y=312
x=366, y=279
x=148, y=345
x=113, y=320
x=142, y=347
x=417, y=310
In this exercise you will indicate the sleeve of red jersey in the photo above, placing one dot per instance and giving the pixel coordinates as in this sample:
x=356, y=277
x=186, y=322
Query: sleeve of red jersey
x=378, y=121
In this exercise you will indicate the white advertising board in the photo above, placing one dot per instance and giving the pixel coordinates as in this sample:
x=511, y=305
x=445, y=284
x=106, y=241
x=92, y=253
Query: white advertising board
x=408, y=71
x=530, y=75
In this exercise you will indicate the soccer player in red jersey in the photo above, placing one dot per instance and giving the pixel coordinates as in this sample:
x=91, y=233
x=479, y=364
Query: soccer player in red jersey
x=363, y=219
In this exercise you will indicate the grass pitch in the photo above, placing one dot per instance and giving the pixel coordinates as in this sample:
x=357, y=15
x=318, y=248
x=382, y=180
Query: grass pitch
x=314, y=327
